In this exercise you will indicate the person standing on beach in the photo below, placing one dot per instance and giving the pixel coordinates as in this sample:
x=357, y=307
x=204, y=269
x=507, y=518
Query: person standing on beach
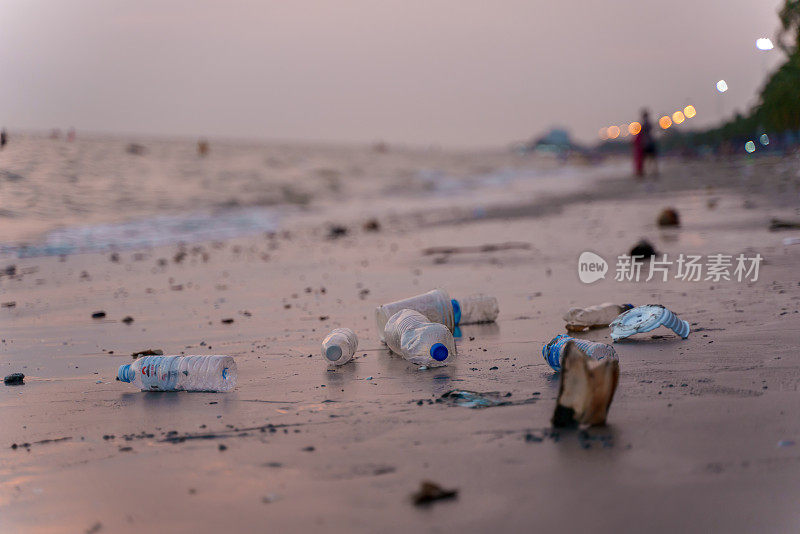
x=3, y=138
x=644, y=146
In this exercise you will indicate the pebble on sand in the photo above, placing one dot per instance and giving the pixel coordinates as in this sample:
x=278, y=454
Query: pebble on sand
x=98, y=315
x=14, y=379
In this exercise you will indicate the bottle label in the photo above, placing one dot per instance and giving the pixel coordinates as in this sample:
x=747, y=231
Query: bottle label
x=160, y=373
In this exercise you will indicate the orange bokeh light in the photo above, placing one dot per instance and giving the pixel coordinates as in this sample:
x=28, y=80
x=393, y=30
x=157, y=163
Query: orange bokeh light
x=689, y=111
x=603, y=134
x=678, y=117
x=613, y=132
x=634, y=128
x=665, y=122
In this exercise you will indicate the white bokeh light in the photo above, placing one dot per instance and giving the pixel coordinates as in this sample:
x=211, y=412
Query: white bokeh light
x=722, y=86
x=764, y=43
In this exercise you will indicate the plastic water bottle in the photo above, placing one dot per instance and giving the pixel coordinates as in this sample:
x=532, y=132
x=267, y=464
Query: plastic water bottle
x=434, y=305
x=438, y=307
x=475, y=309
x=554, y=350
x=411, y=335
x=339, y=346
x=579, y=319
x=176, y=373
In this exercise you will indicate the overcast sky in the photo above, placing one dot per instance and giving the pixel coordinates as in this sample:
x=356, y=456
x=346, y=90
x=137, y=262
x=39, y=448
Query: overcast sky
x=449, y=72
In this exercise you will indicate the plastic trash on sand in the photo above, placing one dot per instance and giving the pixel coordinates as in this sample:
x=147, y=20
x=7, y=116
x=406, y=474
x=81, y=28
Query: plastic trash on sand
x=580, y=319
x=586, y=390
x=435, y=305
x=181, y=373
x=646, y=318
x=410, y=334
x=339, y=346
x=554, y=351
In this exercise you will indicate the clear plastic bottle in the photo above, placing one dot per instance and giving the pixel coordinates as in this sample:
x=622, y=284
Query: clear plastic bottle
x=339, y=346
x=579, y=319
x=176, y=373
x=475, y=309
x=554, y=350
x=435, y=305
x=411, y=335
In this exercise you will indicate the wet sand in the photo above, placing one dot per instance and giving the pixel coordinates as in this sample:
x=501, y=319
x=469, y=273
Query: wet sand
x=700, y=435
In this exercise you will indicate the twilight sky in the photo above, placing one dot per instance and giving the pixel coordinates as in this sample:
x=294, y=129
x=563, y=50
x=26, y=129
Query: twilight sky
x=448, y=72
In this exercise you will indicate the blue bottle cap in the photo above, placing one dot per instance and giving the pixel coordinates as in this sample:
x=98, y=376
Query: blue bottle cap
x=439, y=352
x=125, y=373
x=456, y=311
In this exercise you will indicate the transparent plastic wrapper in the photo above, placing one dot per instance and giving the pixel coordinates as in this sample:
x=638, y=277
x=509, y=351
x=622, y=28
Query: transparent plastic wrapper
x=553, y=352
x=177, y=373
x=646, y=318
x=435, y=305
x=411, y=335
x=339, y=346
x=475, y=309
x=580, y=319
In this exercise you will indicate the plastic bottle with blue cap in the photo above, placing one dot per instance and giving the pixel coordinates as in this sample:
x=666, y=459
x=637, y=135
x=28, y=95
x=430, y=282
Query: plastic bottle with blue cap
x=411, y=335
x=553, y=352
x=181, y=373
x=438, y=307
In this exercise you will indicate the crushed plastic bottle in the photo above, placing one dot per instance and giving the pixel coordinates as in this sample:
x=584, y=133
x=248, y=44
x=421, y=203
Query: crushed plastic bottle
x=411, y=335
x=646, y=318
x=580, y=319
x=176, y=373
x=339, y=346
x=475, y=309
x=435, y=305
x=553, y=352
x=438, y=307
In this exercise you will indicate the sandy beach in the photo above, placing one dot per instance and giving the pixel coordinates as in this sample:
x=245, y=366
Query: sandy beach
x=701, y=434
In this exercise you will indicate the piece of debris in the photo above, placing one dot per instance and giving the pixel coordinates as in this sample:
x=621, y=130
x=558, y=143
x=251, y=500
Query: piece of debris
x=430, y=492
x=491, y=247
x=10, y=304
x=227, y=320
x=372, y=225
x=781, y=224
x=581, y=319
x=98, y=315
x=554, y=351
x=669, y=217
x=646, y=318
x=147, y=352
x=14, y=379
x=473, y=399
x=127, y=319
x=643, y=248
x=586, y=390
x=335, y=231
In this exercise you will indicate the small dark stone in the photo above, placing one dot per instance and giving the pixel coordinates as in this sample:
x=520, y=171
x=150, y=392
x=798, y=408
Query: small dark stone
x=372, y=225
x=643, y=248
x=669, y=217
x=127, y=319
x=430, y=492
x=323, y=317
x=125, y=449
x=9, y=304
x=222, y=447
x=227, y=320
x=14, y=379
x=336, y=231
x=98, y=315
x=493, y=368
x=310, y=448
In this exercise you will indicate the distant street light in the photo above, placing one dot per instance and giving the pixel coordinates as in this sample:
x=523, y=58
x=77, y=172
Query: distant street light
x=764, y=43
x=722, y=86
